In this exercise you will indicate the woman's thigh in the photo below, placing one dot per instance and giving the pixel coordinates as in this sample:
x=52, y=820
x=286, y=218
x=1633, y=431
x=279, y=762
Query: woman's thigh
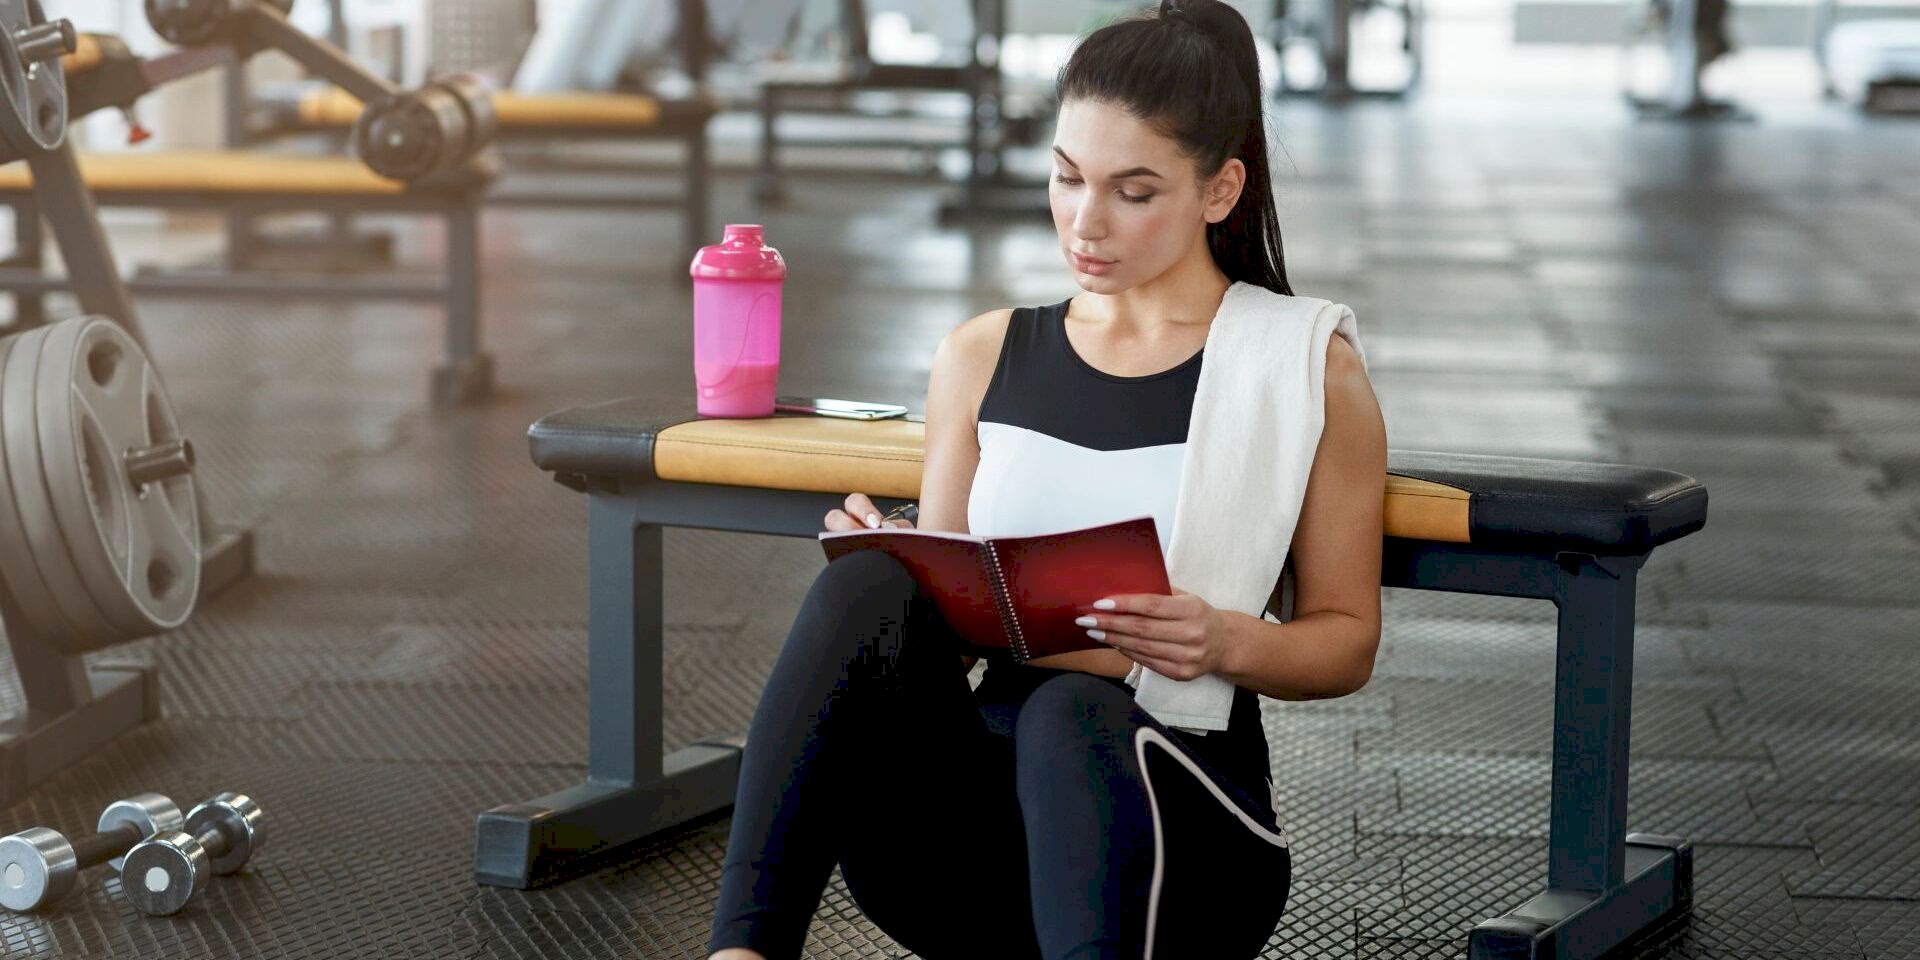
x=1185, y=864
x=936, y=855
x=932, y=847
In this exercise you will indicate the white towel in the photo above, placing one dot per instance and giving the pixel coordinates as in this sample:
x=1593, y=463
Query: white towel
x=1257, y=416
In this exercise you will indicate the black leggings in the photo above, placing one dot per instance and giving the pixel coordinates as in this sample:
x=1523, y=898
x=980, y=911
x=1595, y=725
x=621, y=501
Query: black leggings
x=1092, y=831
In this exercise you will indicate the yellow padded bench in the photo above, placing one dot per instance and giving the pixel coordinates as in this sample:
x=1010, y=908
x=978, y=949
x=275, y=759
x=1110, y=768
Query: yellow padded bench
x=227, y=172
x=1574, y=534
x=545, y=117
x=334, y=107
x=883, y=458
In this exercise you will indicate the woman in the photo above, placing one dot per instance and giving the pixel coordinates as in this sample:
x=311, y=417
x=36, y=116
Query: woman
x=1026, y=819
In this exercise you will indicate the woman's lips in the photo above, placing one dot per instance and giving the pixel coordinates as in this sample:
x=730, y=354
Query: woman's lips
x=1088, y=265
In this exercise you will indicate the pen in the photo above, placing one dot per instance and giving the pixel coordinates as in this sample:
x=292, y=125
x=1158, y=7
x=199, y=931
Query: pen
x=906, y=511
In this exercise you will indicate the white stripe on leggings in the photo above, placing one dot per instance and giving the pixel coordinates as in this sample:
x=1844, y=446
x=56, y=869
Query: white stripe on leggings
x=1142, y=737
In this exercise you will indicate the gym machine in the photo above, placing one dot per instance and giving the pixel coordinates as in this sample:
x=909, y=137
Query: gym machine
x=429, y=151
x=104, y=535
x=1327, y=27
x=1868, y=58
x=989, y=190
x=435, y=134
x=540, y=117
x=1693, y=34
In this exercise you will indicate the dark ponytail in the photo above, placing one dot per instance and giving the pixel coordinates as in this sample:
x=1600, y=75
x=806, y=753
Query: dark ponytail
x=1190, y=70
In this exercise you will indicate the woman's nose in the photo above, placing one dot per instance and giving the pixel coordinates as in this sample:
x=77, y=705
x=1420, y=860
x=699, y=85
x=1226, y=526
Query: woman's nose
x=1088, y=224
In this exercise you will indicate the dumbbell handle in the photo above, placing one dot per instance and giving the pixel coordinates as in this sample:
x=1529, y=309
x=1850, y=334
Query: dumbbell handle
x=101, y=847
x=213, y=840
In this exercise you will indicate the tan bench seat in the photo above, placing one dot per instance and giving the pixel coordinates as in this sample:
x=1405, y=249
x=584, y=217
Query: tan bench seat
x=221, y=172
x=883, y=458
x=334, y=107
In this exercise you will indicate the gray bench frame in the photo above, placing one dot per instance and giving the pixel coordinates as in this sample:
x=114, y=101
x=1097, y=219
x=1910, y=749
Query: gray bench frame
x=465, y=372
x=1605, y=886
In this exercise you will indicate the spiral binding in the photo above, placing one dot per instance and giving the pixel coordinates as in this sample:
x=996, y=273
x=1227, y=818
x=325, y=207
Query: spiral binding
x=1008, y=620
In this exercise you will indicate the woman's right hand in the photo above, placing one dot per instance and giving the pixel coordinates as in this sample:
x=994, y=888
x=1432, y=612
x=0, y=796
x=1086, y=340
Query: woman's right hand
x=859, y=506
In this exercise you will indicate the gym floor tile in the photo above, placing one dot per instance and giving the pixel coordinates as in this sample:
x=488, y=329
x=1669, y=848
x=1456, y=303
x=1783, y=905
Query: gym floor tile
x=1867, y=851
x=1465, y=796
x=1440, y=648
x=1887, y=929
x=1490, y=717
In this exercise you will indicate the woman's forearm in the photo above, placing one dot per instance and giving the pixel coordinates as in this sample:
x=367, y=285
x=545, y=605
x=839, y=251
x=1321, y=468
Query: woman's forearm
x=1313, y=657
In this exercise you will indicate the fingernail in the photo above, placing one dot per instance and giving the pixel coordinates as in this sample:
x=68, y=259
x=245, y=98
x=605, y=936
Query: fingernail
x=1097, y=634
x=873, y=519
x=1104, y=604
x=1087, y=622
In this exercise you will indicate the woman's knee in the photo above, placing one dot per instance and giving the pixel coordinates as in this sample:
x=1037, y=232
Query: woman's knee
x=1075, y=710
x=855, y=600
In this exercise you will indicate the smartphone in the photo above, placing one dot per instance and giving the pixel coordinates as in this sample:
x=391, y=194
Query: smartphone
x=849, y=409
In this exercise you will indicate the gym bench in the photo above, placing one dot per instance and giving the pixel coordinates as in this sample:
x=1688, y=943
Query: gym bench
x=542, y=117
x=1573, y=533
x=257, y=183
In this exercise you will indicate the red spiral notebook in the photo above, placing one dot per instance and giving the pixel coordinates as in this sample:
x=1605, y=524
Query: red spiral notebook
x=1020, y=594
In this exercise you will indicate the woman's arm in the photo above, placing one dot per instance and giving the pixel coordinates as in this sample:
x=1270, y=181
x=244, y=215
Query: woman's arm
x=1328, y=648
x=962, y=366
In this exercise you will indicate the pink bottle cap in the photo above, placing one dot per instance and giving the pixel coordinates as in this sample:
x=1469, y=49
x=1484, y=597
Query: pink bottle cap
x=742, y=255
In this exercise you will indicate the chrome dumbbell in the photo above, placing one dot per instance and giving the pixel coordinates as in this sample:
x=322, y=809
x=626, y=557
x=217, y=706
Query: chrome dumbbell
x=38, y=866
x=164, y=873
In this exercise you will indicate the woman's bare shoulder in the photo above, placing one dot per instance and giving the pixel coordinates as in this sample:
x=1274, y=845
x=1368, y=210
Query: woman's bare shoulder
x=969, y=352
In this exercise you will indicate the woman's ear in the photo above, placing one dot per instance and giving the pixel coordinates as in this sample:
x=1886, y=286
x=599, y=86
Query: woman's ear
x=1223, y=191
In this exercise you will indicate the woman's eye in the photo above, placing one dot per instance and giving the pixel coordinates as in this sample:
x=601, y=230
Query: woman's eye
x=1062, y=178
x=1130, y=198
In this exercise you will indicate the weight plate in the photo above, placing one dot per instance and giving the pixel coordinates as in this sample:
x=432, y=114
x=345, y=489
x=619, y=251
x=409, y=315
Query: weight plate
x=137, y=549
x=91, y=629
x=23, y=578
x=34, y=117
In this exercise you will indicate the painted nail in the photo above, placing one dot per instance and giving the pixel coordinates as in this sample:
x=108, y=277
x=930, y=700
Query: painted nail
x=873, y=519
x=1104, y=604
x=1087, y=622
x=1097, y=634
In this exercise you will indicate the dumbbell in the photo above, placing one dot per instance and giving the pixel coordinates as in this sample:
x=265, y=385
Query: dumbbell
x=164, y=873
x=38, y=865
x=411, y=135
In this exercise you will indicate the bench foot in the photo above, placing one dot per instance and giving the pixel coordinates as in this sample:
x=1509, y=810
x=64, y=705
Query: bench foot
x=526, y=845
x=1574, y=925
x=462, y=381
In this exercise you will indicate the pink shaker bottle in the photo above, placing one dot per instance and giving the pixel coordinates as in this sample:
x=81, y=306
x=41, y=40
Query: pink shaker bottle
x=736, y=324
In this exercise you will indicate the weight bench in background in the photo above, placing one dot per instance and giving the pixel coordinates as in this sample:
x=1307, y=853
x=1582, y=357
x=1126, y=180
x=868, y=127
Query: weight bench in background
x=542, y=117
x=257, y=182
x=1573, y=533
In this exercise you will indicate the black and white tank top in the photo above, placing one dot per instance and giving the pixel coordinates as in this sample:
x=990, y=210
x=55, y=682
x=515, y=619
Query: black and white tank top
x=1064, y=445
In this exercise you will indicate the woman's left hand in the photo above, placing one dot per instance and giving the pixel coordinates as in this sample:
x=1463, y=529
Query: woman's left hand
x=1178, y=635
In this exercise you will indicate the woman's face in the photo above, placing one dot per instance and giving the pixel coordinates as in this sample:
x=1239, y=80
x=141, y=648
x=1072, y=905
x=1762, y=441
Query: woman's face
x=1126, y=201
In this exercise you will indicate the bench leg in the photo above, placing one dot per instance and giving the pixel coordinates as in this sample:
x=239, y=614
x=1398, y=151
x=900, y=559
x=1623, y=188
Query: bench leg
x=1603, y=887
x=768, y=188
x=467, y=372
x=699, y=192
x=630, y=792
